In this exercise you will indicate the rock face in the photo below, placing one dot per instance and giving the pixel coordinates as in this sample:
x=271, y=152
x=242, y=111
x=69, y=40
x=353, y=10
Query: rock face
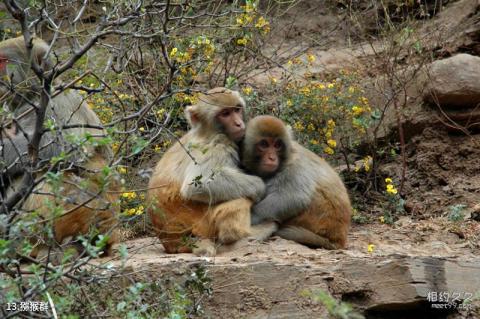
x=271, y=280
x=455, y=82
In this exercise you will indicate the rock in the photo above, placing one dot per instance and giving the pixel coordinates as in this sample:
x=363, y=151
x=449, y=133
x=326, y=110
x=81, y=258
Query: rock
x=333, y=61
x=454, y=82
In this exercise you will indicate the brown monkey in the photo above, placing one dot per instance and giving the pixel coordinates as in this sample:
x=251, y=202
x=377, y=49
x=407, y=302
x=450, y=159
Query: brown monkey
x=84, y=193
x=304, y=194
x=197, y=188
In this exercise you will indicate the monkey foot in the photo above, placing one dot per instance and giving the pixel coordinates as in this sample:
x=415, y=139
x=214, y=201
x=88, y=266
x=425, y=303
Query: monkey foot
x=204, y=247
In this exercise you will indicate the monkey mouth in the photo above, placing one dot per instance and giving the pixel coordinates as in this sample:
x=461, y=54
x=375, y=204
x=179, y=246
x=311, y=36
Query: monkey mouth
x=238, y=135
x=270, y=168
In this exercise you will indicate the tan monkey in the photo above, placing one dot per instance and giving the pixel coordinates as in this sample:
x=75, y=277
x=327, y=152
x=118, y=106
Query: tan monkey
x=304, y=194
x=203, y=192
x=85, y=195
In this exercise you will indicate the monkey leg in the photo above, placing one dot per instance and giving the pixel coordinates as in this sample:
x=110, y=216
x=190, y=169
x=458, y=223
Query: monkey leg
x=322, y=225
x=231, y=220
x=174, y=220
x=305, y=237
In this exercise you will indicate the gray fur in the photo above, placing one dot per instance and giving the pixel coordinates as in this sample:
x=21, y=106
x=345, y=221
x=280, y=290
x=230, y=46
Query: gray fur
x=289, y=192
x=65, y=109
x=226, y=181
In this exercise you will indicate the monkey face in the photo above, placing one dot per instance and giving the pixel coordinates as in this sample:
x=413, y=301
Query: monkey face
x=268, y=151
x=231, y=122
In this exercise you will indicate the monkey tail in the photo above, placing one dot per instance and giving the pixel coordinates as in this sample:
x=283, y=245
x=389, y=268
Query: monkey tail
x=305, y=237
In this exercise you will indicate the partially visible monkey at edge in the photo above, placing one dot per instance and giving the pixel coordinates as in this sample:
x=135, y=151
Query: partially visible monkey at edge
x=197, y=188
x=84, y=207
x=304, y=194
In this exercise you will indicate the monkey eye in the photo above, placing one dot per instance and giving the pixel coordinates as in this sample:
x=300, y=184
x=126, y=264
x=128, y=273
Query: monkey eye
x=225, y=113
x=237, y=109
x=278, y=144
x=263, y=144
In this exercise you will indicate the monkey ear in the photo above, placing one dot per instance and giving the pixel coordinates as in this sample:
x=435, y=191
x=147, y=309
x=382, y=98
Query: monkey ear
x=191, y=115
x=39, y=50
x=290, y=132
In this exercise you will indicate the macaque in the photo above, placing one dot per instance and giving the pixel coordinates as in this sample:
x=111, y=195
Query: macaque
x=304, y=194
x=197, y=188
x=85, y=195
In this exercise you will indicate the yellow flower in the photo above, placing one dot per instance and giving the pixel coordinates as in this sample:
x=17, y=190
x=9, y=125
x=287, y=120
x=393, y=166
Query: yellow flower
x=274, y=80
x=122, y=170
x=356, y=110
x=370, y=248
x=310, y=127
x=330, y=85
x=382, y=219
x=351, y=89
x=289, y=63
x=167, y=143
x=298, y=126
x=173, y=52
x=141, y=129
x=388, y=180
x=332, y=143
x=391, y=189
x=261, y=22
x=242, y=41
x=140, y=210
x=305, y=90
x=366, y=163
x=328, y=150
x=157, y=148
x=321, y=86
x=289, y=103
x=129, y=195
x=331, y=123
x=314, y=142
x=247, y=90
x=311, y=58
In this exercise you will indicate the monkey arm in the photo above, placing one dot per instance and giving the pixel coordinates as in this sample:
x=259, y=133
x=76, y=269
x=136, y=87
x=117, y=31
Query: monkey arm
x=217, y=179
x=288, y=193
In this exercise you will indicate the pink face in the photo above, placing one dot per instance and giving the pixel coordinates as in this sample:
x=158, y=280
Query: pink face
x=268, y=150
x=231, y=119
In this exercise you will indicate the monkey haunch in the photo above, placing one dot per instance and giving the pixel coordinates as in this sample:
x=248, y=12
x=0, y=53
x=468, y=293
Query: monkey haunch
x=207, y=196
x=84, y=196
x=304, y=194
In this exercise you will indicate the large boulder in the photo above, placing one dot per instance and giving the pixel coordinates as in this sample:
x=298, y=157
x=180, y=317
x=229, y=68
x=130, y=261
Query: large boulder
x=454, y=82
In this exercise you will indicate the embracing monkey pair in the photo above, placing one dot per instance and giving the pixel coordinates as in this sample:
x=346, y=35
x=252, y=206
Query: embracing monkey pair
x=198, y=188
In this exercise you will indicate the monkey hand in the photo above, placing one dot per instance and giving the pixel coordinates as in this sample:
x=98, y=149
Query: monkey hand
x=258, y=189
x=256, y=218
